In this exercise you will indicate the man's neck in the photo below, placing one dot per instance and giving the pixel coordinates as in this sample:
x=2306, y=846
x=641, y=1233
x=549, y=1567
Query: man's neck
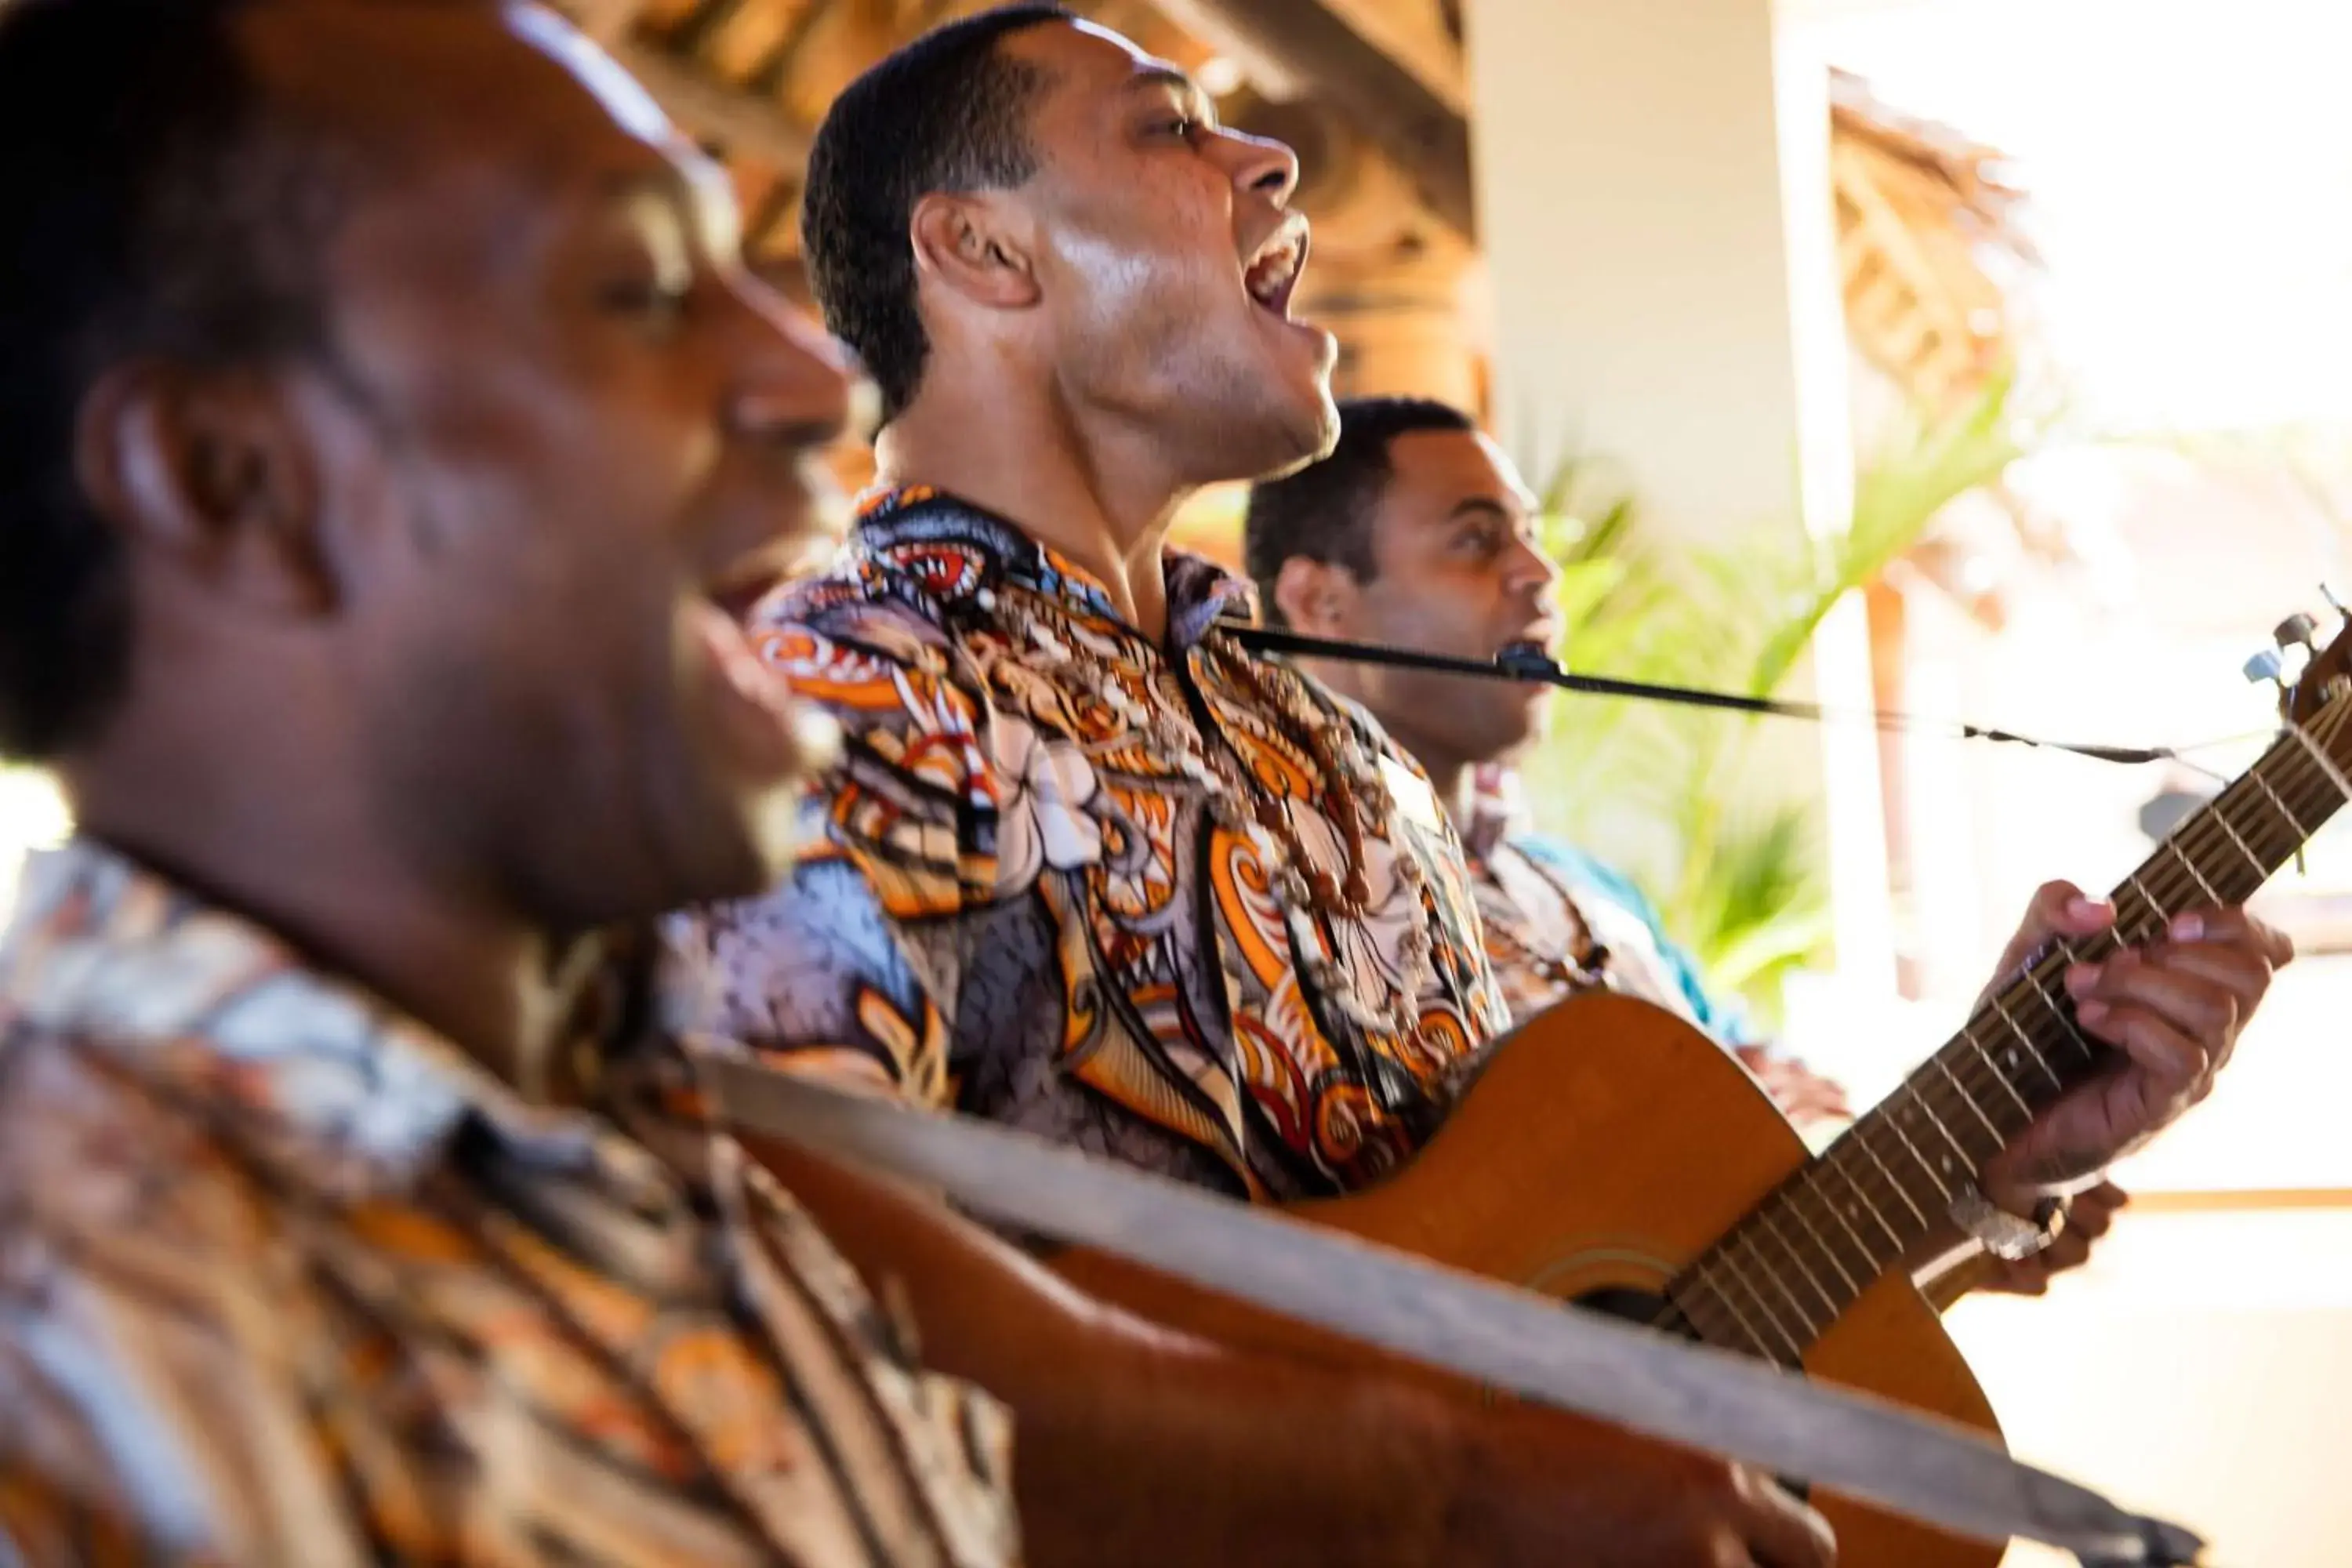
x=354, y=906
x=1104, y=499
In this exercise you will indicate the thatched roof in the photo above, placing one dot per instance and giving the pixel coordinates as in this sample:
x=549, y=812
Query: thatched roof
x=752, y=77
x=1374, y=94
x=1931, y=244
x=1377, y=91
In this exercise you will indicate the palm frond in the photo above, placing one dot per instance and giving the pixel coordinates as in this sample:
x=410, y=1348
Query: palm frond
x=1657, y=787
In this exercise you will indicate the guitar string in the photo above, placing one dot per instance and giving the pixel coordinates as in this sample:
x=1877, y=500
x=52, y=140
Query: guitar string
x=2209, y=828
x=2168, y=889
x=1796, y=1199
x=2053, y=1009
x=2174, y=895
x=2206, y=830
x=1775, y=1267
x=2182, y=883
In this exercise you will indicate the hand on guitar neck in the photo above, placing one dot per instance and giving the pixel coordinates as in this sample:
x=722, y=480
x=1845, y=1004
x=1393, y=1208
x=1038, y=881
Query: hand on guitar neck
x=2171, y=1009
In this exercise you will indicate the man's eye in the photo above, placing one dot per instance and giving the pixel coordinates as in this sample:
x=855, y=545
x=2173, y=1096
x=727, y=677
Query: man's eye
x=1182, y=127
x=649, y=298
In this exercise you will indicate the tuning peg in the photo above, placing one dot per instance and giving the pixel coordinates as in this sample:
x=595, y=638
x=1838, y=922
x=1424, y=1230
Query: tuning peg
x=2296, y=631
x=2266, y=665
x=2334, y=604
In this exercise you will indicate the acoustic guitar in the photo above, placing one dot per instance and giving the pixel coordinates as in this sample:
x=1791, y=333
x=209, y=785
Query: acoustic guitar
x=1612, y=1156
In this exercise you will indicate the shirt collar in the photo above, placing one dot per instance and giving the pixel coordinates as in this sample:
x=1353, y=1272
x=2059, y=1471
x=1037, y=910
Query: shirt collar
x=1498, y=810
x=334, y=1086
x=955, y=551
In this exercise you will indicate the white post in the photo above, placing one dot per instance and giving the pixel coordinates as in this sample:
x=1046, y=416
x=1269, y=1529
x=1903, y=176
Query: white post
x=1655, y=211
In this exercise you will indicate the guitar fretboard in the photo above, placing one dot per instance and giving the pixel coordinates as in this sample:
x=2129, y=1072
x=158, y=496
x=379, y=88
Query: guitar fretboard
x=1781, y=1277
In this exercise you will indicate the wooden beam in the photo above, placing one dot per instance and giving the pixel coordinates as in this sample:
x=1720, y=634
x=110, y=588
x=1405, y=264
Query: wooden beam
x=606, y=21
x=1393, y=108
x=1414, y=35
x=738, y=121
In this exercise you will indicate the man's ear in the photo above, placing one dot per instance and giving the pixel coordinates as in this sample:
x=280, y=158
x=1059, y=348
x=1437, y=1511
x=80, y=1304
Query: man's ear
x=1316, y=598
x=975, y=245
x=208, y=471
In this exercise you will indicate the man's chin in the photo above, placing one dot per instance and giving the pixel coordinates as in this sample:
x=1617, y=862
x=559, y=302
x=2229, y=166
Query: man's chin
x=1324, y=421
x=740, y=845
x=1287, y=438
x=1316, y=422
x=1519, y=733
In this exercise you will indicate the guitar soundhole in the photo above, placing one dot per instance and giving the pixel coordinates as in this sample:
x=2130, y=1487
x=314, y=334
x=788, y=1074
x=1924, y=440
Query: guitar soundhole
x=1652, y=1310
x=1646, y=1308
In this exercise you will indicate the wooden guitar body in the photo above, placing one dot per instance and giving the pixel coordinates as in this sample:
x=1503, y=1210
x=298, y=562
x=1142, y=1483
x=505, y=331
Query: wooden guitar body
x=1606, y=1146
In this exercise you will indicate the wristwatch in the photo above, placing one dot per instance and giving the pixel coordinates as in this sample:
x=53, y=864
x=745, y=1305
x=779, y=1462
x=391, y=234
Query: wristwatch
x=2004, y=1235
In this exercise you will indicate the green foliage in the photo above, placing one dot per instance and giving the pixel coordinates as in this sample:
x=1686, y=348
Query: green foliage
x=1662, y=791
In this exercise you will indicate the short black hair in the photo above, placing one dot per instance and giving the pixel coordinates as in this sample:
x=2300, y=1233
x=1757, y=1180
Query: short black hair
x=1324, y=511
x=154, y=210
x=946, y=112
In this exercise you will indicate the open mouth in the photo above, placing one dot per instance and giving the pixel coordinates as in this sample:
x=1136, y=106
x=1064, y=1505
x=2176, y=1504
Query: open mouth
x=1272, y=276
x=740, y=593
x=739, y=589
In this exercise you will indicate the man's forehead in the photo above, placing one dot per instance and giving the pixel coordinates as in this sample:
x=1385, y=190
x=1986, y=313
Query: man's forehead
x=1447, y=468
x=487, y=76
x=1092, y=57
x=621, y=95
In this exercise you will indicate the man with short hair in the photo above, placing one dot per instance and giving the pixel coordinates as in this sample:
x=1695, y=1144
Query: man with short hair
x=1088, y=867
x=357, y=356
x=1556, y=918
x=388, y=434
x=1043, y=409
x=1416, y=531
x=1079, y=838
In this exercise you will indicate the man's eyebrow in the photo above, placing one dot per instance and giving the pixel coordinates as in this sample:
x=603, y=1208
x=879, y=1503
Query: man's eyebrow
x=1170, y=77
x=696, y=196
x=1482, y=506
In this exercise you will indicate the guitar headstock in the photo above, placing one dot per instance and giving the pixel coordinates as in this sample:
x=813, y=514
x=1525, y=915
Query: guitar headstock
x=2308, y=674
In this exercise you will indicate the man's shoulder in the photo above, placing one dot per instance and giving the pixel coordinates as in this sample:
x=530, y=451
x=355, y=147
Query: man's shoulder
x=1554, y=853
x=1580, y=870
x=90, y=1150
x=1368, y=731
x=1408, y=781
x=911, y=803
x=879, y=653
x=917, y=568
x=861, y=608
x=146, y=1260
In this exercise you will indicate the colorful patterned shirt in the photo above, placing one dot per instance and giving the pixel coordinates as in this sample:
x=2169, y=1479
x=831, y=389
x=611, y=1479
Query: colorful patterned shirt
x=1558, y=922
x=1052, y=886
x=284, y=1279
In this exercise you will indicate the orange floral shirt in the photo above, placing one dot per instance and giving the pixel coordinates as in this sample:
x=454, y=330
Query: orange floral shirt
x=1045, y=886
x=284, y=1279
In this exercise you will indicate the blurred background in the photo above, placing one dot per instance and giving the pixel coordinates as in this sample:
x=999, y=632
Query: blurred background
x=1982, y=358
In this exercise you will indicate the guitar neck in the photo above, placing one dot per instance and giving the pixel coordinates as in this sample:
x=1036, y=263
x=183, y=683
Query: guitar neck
x=1866, y=1203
